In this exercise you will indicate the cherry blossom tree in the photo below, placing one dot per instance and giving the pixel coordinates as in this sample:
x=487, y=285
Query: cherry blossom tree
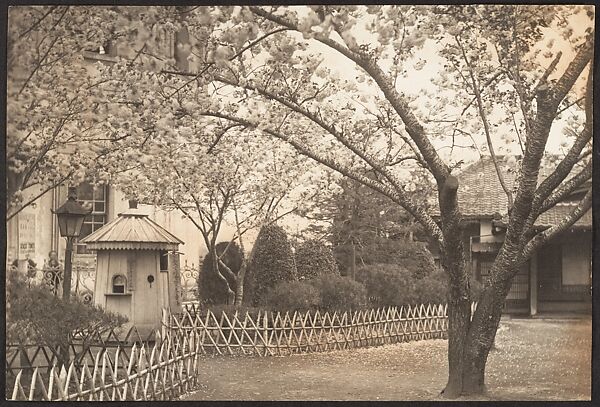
x=212, y=172
x=56, y=121
x=267, y=73
x=264, y=69
x=212, y=179
x=72, y=120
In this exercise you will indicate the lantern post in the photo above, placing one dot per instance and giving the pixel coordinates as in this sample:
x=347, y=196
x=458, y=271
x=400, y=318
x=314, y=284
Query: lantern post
x=70, y=220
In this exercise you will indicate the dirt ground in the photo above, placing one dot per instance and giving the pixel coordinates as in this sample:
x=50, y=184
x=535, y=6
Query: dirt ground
x=534, y=359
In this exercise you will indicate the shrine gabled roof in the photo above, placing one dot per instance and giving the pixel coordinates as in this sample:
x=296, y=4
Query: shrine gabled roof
x=132, y=230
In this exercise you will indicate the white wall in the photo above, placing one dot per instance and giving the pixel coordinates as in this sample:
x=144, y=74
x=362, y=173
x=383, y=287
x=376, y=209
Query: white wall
x=485, y=231
x=41, y=235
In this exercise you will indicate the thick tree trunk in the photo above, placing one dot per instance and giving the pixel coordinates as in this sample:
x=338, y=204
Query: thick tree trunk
x=486, y=319
x=459, y=315
x=480, y=339
x=470, y=339
x=459, y=298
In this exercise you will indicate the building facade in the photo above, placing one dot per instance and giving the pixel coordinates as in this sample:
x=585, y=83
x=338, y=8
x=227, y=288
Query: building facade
x=33, y=233
x=558, y=277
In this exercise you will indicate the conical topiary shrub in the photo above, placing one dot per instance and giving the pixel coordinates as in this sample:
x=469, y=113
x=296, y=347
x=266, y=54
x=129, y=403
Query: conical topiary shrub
x=314, y=259
x=273, y=262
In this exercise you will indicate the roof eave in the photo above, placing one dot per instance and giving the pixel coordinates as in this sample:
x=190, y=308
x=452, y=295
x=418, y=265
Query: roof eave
x=131, y=246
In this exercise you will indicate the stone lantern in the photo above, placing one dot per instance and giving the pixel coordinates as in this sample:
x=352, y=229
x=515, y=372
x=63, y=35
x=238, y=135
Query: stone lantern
x=137, y=268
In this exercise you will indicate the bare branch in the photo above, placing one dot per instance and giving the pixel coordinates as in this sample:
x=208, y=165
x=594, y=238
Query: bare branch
x=543, y=237
x=34, y=25
x=567, y=188
x=573, y=156
x=208, y=65
x=570, y=104
x=546, y=73
x=574, y=70
x=39, y=64
x=330, y=128
x=417, y=211
x=36, y=197
x=486, y=125
x=219, y=136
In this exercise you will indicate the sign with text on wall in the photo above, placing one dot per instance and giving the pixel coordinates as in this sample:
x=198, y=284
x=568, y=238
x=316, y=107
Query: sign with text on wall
x=26, y=235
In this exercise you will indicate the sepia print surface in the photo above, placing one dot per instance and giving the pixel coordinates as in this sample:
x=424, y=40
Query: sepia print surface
x=387, y=202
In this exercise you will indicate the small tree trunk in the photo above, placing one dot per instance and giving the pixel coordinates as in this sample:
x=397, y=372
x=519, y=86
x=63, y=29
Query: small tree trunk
x=239, y=292
x=230, y=297
x=230, y=292
x=239, y=295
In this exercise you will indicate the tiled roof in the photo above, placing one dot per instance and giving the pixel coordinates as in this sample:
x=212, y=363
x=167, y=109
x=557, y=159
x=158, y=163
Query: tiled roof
x=558, y=213
x=132, y=230
x=480, y=194
x=479, y=191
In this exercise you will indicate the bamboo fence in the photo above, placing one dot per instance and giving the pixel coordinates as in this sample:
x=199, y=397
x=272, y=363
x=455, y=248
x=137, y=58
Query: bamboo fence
x=82, y=345
x=278, y=334
x=117, y=367
x=164, y=371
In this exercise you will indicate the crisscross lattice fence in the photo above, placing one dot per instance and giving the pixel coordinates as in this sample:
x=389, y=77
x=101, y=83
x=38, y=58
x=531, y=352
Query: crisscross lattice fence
x=165, y=370
x=268, y=333
x=82, y=345
x=168, y=367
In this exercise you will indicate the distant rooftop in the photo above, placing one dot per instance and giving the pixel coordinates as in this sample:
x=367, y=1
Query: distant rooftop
x=480, y=194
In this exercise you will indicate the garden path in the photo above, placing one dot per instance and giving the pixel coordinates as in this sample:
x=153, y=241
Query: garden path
x=535, y=359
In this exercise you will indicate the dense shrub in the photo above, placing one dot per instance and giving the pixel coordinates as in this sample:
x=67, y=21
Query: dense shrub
x=294, y=296
x=211, y=288
x=390, y=285
x=432, y=288
x=340, y=293
x=272, y=263
x=35, y=315
x=387, y=284
x=313, y=259
x=412, y=256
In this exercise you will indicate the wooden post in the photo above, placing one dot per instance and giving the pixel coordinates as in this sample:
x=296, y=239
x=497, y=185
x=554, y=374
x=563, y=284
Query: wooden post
x=533, y=284
x=164, y=324
x=353, y=264
x=266, y=332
